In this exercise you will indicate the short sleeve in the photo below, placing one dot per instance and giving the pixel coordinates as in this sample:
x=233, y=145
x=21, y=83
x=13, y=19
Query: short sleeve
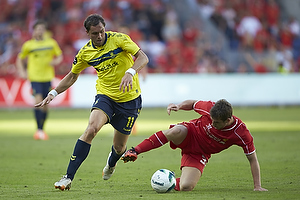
x=127, y=44
x=79, y=64
x=203, y=107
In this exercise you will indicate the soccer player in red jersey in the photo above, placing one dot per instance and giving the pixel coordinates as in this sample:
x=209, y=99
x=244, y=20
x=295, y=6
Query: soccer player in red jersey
x=216, y=130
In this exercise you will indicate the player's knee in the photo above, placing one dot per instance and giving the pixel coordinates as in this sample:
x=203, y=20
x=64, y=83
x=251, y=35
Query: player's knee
x=177, y=131
x=91, y=131
x=172, y=132
x=176, y=134
x=120, y=148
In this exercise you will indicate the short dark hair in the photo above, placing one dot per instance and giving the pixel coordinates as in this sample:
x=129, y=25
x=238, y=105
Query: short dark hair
x=93, y=20
x=222, y=110
x=38, y=22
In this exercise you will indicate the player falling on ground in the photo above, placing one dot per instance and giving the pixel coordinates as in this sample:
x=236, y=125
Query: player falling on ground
x=216, y=130
x=43, y=53
x=118, y=100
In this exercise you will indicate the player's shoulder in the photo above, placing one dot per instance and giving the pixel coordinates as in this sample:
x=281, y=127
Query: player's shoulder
x=87, y=47
x=241, y=126
x=50, y=39
x=111, y=35
x=203, y=104
x=29, y=42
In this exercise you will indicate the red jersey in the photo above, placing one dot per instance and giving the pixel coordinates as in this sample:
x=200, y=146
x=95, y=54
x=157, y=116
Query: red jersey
x=203, y=138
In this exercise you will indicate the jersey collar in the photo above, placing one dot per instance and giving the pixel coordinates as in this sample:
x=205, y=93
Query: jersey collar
x=103, y=43
x=232, y=126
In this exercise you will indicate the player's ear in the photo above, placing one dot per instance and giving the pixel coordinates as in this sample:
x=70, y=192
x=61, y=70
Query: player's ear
x=228, y=120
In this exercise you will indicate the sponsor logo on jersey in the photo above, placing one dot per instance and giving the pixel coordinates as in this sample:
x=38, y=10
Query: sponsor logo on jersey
x=207, y=129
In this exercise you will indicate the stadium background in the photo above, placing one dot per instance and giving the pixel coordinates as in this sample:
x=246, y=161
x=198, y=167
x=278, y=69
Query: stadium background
x=252, y=45
x=28, y=168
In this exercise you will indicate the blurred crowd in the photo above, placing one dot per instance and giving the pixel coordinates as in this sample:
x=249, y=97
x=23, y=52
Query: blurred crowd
x=253, y=27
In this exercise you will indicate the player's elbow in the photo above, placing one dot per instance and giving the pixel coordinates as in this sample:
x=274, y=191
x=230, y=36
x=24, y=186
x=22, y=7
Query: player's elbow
x=141, y=54
x=146, y=59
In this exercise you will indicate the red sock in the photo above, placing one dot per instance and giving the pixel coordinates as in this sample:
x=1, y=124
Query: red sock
x=177, y=187
x=154, y=141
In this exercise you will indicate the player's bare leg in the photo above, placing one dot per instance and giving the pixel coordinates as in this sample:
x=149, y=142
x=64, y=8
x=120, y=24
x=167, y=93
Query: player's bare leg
x=176, y=134
x=189, y=178
x=119, y=142
x=97, y=119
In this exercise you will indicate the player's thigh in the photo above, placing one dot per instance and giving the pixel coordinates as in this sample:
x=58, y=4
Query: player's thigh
x=176, y=134
x=120, y=141
x=189, y=178
x=97, y=119
x=40, y=90
x=37, y=91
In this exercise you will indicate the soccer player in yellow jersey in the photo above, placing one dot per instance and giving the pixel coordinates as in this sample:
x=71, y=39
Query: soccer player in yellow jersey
x=118, y=100
x=41, y=55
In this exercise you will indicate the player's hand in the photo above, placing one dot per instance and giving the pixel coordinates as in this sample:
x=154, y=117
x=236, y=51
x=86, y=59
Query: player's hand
x=46, y=101
x=126, y=82
x=260, y=189
x=171, y=107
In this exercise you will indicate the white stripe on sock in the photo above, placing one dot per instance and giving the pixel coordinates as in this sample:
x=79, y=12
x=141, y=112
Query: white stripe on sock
x=158, y=139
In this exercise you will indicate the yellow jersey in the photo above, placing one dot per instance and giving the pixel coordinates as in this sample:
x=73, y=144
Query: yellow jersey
x=40, y=53
x=111, y=60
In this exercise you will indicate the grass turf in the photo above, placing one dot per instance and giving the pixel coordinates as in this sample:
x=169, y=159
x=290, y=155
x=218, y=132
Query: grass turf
x=29, y=168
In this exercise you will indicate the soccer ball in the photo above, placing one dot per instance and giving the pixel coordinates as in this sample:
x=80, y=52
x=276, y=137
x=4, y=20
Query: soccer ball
x=163, y=180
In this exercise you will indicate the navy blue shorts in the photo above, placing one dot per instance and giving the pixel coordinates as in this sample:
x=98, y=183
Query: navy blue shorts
x=41, y=88
x=121, y=116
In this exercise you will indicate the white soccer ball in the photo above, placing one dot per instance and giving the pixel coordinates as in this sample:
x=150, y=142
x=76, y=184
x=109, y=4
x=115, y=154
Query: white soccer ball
x=163, y=180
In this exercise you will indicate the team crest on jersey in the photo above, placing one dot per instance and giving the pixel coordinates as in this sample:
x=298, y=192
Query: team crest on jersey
x=111, y=34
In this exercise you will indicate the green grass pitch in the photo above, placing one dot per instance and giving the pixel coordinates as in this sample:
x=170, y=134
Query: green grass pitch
x=28, y=168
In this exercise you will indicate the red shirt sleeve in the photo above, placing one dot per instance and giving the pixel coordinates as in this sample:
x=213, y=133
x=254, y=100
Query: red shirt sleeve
x=246, y=139
x=203, y=107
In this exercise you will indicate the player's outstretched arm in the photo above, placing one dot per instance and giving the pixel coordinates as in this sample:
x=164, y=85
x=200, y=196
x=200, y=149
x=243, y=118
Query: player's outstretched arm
x=255, y=170
x=171, y=107
x=63, y=85
x=185, y=105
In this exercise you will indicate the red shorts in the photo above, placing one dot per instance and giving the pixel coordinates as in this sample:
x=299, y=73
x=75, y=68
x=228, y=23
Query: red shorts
x=192, y=154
